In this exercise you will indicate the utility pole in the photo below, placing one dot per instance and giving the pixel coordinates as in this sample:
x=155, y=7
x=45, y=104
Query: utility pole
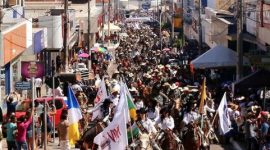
x=109, y=16
x=173, y=16
x=89, y=35
x=200, y=28
x=183, y=31
x=103, y=21
x=239, y=67
x=65, y=34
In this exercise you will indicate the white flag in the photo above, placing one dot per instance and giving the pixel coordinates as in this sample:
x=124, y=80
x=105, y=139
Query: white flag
x=122, y=103
x=96, y=111
x=224, y=118
x=114, y=136
x=101, y=94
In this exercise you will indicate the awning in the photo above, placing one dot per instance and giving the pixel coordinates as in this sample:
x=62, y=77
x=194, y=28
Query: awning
x=113, y=27
x=218, y=56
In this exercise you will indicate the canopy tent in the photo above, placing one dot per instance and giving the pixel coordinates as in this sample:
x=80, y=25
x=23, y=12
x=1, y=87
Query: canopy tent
x=113, y=27
x=218, y=56
x=257, y=79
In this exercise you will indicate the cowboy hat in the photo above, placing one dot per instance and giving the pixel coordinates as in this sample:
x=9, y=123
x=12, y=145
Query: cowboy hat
x=185, y=89
x=160, y=74
x=194, y=90
x=130, y=75
x=166, y=84
x=240, y=98
x=133, y=89
x=148, y=76
x=160, y=66
x=254, y=108
x=116, y=88
x=174, y=86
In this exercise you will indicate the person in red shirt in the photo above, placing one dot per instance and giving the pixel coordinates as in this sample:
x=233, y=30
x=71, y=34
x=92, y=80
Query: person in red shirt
x=22, y=126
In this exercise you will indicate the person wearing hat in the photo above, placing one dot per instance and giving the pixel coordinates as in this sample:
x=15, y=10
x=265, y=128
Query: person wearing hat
x=144, y=123
x=250, y=134
x=115, y=94
x=190, y=116
x=165, y=121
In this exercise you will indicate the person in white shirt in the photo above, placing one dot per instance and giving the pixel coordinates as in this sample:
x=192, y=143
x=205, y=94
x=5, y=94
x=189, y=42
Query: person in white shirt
x=144, y=123
x=153, y=110
x=115, y=95
x=191, y=116
x=165, y=121
x=38, y=85
x=139, y=103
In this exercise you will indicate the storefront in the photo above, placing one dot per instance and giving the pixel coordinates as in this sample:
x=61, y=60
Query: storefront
x=14, y=43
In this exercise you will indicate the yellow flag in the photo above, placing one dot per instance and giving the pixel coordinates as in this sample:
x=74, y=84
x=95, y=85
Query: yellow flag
x=203, y=96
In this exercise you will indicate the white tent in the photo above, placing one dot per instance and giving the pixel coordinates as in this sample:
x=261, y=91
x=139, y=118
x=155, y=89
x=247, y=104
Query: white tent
x=218, y=56
x=113, y=27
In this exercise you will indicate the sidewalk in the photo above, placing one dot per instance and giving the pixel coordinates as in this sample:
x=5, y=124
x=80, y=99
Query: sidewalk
x=50, y=146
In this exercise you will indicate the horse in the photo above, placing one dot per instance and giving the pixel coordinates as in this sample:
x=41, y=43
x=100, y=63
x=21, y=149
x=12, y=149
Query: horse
x=167, y=141
x=143, y=142
x=191, y=138
x=86, y=141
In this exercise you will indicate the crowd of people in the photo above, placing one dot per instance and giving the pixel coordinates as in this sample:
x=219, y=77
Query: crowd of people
x=166, y=92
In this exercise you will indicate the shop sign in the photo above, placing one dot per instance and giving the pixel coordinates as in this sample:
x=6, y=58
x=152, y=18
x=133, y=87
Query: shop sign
x=32, y=69
x=22, y=85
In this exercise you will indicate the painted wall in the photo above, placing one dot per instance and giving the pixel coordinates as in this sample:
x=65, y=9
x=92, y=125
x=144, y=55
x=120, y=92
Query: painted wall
x=14, y=42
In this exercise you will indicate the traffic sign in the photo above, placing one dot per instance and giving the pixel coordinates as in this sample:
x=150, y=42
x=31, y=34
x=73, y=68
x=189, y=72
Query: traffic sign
x=23, y=85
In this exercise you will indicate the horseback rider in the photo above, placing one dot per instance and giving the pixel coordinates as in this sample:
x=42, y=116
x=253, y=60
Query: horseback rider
x=144, y=123
x=165, y=121
x=146, y=126
x=191, y=115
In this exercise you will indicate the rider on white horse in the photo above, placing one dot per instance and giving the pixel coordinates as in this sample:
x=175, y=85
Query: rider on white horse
x=145, y=123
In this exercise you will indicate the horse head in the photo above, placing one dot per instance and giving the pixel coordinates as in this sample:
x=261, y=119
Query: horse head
x=144, y=142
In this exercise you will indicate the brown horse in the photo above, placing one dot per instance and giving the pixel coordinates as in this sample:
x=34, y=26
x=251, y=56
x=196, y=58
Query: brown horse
x=192, y=139
x=87, y=138
x=168, y=142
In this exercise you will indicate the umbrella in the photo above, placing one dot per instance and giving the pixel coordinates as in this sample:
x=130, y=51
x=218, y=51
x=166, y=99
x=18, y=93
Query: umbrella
x=99, y=49
x=84, y=55
x=166, y=49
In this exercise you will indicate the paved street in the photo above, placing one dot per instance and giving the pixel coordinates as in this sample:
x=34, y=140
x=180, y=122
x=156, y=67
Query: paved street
x=53, y=146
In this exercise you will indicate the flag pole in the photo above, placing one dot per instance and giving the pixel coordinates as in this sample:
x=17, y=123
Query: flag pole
x=132, y=138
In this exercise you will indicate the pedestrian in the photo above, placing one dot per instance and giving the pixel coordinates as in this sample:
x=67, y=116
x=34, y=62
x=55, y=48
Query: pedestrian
x=29, y=134
x=38, y=85
x=44, y=125
x=22, y=125
x=11, y=127
x=63, y=132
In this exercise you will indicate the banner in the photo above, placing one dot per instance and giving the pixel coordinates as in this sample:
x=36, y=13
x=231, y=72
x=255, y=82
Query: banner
x=101, y=94
x=224, y=118
x=115, y=135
